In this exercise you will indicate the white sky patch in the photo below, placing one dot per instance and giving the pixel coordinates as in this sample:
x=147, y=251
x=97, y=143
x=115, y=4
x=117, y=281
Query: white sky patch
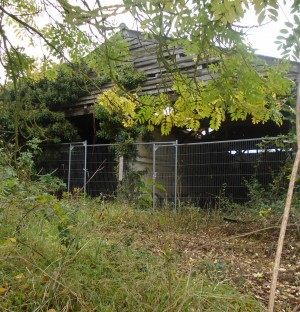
x=262, y=37
x=168, y=111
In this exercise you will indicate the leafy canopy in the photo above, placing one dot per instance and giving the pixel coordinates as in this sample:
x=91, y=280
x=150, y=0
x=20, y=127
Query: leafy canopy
x=205, y=29
x=240, y=84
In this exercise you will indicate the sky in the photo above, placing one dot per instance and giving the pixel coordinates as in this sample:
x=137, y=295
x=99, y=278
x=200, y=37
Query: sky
x=262, y=38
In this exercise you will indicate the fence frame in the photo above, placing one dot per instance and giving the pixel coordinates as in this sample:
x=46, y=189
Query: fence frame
x=155, y=148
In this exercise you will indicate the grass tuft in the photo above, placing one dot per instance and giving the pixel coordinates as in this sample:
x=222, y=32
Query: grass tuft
x=89, y=256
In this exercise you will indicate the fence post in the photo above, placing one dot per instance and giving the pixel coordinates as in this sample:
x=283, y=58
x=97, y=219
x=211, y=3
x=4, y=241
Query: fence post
x=121, y=168
x=69, y=168
x=153, y=175
x=85, y=167
x=175, y=184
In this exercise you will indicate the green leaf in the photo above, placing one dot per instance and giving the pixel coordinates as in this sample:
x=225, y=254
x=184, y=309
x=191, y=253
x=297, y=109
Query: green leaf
x=284, y=31
x=274, y=13
x=261, y=17
x=289, y=25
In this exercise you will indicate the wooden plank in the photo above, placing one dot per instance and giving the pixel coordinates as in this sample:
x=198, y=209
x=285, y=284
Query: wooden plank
x=144, y=57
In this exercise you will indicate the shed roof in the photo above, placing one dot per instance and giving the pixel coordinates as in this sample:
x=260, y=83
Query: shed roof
x=143, y=51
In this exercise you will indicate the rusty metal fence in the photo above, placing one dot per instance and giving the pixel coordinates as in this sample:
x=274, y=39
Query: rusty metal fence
x=176, y=173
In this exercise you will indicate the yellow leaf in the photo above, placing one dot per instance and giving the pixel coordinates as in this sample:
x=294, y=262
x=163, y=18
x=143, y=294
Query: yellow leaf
x=258, y=274
x=19, y=276
x=12, y=239
x=3, y=291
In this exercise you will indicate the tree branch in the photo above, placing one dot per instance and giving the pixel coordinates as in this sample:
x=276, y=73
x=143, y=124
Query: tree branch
x=34, y=30
x=287, y=207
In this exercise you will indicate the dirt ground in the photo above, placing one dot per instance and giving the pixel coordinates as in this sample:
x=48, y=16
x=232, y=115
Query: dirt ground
x=233, y=251
x=244, y=253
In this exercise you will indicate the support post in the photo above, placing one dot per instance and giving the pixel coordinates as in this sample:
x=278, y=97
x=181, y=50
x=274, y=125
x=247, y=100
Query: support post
x=121, y=168
x=85, y=167
x=69, y=167
x=153, y=175
x=176, y=174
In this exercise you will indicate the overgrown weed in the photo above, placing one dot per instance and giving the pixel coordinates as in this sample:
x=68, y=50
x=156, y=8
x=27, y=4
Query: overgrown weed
x=81, y=254
x=114, y=263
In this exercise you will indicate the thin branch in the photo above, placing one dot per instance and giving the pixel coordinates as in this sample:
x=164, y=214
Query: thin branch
x=34, y=30
x=99, y=169
x=287, y=207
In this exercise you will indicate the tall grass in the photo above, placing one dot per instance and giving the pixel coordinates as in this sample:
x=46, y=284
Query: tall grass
x=114, y=259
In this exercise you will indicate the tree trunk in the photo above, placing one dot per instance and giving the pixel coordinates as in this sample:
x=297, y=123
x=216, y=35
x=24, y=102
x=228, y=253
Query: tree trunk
x=287, y=208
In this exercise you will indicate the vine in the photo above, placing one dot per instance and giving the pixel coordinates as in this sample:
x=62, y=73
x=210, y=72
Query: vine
x=118, y=126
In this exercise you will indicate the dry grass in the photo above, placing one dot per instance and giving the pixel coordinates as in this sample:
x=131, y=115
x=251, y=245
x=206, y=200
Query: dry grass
x=111, y=258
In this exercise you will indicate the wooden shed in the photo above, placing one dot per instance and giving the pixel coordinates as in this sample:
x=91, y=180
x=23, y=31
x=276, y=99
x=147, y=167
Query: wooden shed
x=148, y=58
x=192, y=172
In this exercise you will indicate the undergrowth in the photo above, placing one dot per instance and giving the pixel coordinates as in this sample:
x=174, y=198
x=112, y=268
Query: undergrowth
x=115, y=259
x=80, y=254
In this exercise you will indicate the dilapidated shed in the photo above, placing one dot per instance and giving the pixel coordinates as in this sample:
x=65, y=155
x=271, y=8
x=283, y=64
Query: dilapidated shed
x=157, y=65
x=193, y=167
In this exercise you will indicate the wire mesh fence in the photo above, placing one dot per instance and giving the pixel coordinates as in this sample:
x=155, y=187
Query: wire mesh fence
x=208, y=170
x=176, y=173
x=101, y=170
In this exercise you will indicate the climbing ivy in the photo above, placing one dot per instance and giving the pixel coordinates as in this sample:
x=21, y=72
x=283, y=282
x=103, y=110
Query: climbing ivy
x=40, y=100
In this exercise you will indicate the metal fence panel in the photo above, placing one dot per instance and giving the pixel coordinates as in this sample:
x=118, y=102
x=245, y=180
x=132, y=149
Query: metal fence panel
x=101, y=170
x=58, y=160
x=165, y=174
x=76, y=177
x=207, y=171
x=197, y=173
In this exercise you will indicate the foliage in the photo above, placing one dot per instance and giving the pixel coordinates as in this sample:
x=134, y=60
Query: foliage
x=23, y=171
x=39, y=98
x=129, y=78
x=230, y=93
x=202, y=27
x=269, y=200
x=18, y=64
x=137, y=191
x=288, y=40
x=36, y=121
x=22, y=188
x=116, y=104
x=115, y=127
x=115, y=111
x=111, y=56
x=57, y=24
x=207, y=30
x=31, y=87
x=72, y=82
x=25, y=106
